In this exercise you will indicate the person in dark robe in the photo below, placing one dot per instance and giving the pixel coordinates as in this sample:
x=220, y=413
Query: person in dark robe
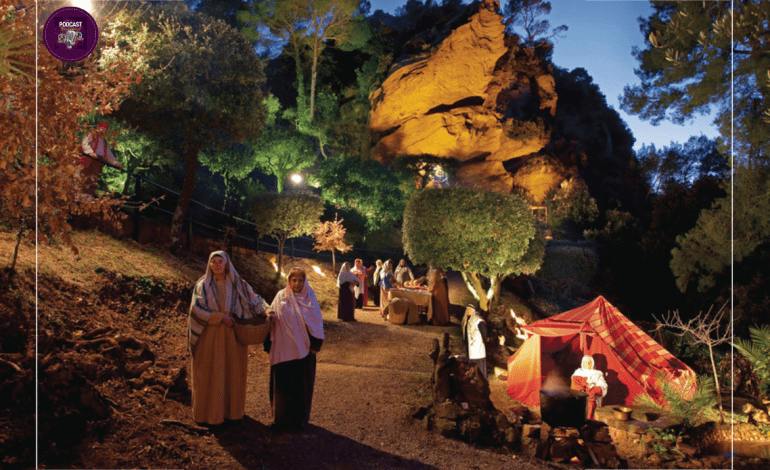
x=346, y=303
x=376, y=279
x=439, y=297
x=295, y=338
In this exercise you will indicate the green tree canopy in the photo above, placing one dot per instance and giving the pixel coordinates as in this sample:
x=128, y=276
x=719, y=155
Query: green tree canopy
x=280, y=152
x=709, y=249
x=203, y=92
x=373, y=190
x=283, y=216
x=695, y=57
x=482, y=234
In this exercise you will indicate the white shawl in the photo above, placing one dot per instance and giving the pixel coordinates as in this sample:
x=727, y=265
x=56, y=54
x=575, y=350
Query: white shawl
x=595, y=378
x=346, y=275
x=295, y=316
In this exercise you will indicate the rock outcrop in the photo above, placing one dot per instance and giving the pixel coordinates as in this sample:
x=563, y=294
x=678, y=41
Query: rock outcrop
x=467, y=100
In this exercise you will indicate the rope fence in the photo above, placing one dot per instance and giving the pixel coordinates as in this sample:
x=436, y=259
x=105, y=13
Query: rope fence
x=257, y=243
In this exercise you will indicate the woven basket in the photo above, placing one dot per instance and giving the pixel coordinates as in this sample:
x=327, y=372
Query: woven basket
x=251, y=332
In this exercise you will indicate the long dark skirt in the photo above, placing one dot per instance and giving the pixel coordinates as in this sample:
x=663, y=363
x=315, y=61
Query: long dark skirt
x=360, y=301
x=291, y=391
x=346, y=305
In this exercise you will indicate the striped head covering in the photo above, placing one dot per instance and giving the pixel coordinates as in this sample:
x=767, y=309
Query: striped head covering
x=240, y=302
x=296, y=315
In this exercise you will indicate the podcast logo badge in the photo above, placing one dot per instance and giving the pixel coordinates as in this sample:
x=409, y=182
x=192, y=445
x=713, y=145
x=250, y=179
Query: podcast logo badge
x=70, y=34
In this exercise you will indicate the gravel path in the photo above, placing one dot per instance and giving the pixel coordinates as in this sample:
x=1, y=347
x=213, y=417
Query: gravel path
x=367, y=377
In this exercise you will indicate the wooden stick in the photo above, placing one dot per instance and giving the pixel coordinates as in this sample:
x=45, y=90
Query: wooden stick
x=12, y=364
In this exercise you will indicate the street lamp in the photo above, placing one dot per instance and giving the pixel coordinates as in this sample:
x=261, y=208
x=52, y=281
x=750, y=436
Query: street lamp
x=296, y=178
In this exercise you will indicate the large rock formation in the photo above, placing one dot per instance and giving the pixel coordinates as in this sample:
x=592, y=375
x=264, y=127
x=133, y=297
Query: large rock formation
x=469, y=101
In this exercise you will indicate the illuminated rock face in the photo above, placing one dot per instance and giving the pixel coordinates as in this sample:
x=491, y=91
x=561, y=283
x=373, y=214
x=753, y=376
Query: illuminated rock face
x=454, y=103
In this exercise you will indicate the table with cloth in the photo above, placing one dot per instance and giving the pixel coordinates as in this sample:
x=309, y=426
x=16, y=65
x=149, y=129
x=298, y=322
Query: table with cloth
x=420, y=297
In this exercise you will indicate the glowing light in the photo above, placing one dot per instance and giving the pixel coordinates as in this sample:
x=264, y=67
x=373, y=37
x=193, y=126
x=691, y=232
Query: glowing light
x=296, y=178
x=275, y=266
x=318, y=271
x=501, y=339
x=520, y=321
x=84, y=5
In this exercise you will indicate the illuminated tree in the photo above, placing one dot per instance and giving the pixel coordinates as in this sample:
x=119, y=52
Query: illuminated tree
x=40, y=154
x=283, y=216
x=484, y=235
x=373, y=190
x=330, y=236
x=300, y=23
x=203, y=93
x=280, y=152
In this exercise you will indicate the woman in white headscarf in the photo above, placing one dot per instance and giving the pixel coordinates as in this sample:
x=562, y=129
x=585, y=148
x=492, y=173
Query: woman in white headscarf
x=295, y=338
x=219, y=361
x=346, y=304
x=386, y=283
x=588, y=379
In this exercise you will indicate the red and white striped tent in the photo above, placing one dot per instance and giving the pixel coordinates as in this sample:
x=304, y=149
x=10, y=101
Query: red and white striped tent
x=630, y=359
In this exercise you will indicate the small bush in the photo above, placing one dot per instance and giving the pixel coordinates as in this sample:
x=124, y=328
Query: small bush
x=691, y=411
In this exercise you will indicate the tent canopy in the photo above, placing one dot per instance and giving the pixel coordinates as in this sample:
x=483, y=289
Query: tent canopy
x=630, y=359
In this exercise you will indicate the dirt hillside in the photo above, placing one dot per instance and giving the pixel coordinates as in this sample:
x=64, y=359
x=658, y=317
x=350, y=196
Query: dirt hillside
x=113, y=390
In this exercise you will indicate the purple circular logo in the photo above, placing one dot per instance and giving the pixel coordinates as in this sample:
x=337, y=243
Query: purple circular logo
x=70, y=34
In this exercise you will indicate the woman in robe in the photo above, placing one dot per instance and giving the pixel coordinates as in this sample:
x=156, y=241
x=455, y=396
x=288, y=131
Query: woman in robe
x=346, y=282
x=376, y=282
x=386, y=283
x=361, y=289
x=439, y=297
x=296, y=337
x=219, y=361
x=589, y=380
x=403, y=273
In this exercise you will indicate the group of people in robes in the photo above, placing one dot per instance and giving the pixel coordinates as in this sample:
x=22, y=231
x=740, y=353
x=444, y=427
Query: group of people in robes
x=353, y=289
x=219, y=362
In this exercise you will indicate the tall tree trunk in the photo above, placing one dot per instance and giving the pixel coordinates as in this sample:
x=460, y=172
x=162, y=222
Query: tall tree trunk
x=177, y=222
x=281, y=181
x=334, y=262
x=474, y=282
x=313, y=80
x=281, y=243
x=493, y=294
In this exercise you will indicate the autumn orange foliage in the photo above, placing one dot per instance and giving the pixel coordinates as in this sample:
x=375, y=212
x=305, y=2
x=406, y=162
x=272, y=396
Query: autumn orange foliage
x=330, y=236
x=39, y=144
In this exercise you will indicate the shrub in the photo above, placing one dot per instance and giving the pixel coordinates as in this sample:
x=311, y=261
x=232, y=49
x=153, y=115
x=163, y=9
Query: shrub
x=691, y=411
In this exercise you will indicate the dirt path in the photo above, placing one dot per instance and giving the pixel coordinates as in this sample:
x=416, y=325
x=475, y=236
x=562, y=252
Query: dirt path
x=367, y=377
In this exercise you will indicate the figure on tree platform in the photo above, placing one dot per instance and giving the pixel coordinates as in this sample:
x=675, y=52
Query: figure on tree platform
x=94, y=151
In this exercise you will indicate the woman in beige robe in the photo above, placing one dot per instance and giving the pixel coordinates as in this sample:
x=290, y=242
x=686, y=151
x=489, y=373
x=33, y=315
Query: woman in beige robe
x=219, y=361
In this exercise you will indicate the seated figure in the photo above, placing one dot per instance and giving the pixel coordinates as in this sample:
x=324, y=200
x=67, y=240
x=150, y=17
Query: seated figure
x=589, y=380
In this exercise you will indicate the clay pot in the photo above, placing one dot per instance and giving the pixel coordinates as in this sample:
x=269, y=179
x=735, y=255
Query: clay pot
x=622, y=413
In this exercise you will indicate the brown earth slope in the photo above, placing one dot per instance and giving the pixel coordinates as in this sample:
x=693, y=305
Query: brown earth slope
x=113, y=389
